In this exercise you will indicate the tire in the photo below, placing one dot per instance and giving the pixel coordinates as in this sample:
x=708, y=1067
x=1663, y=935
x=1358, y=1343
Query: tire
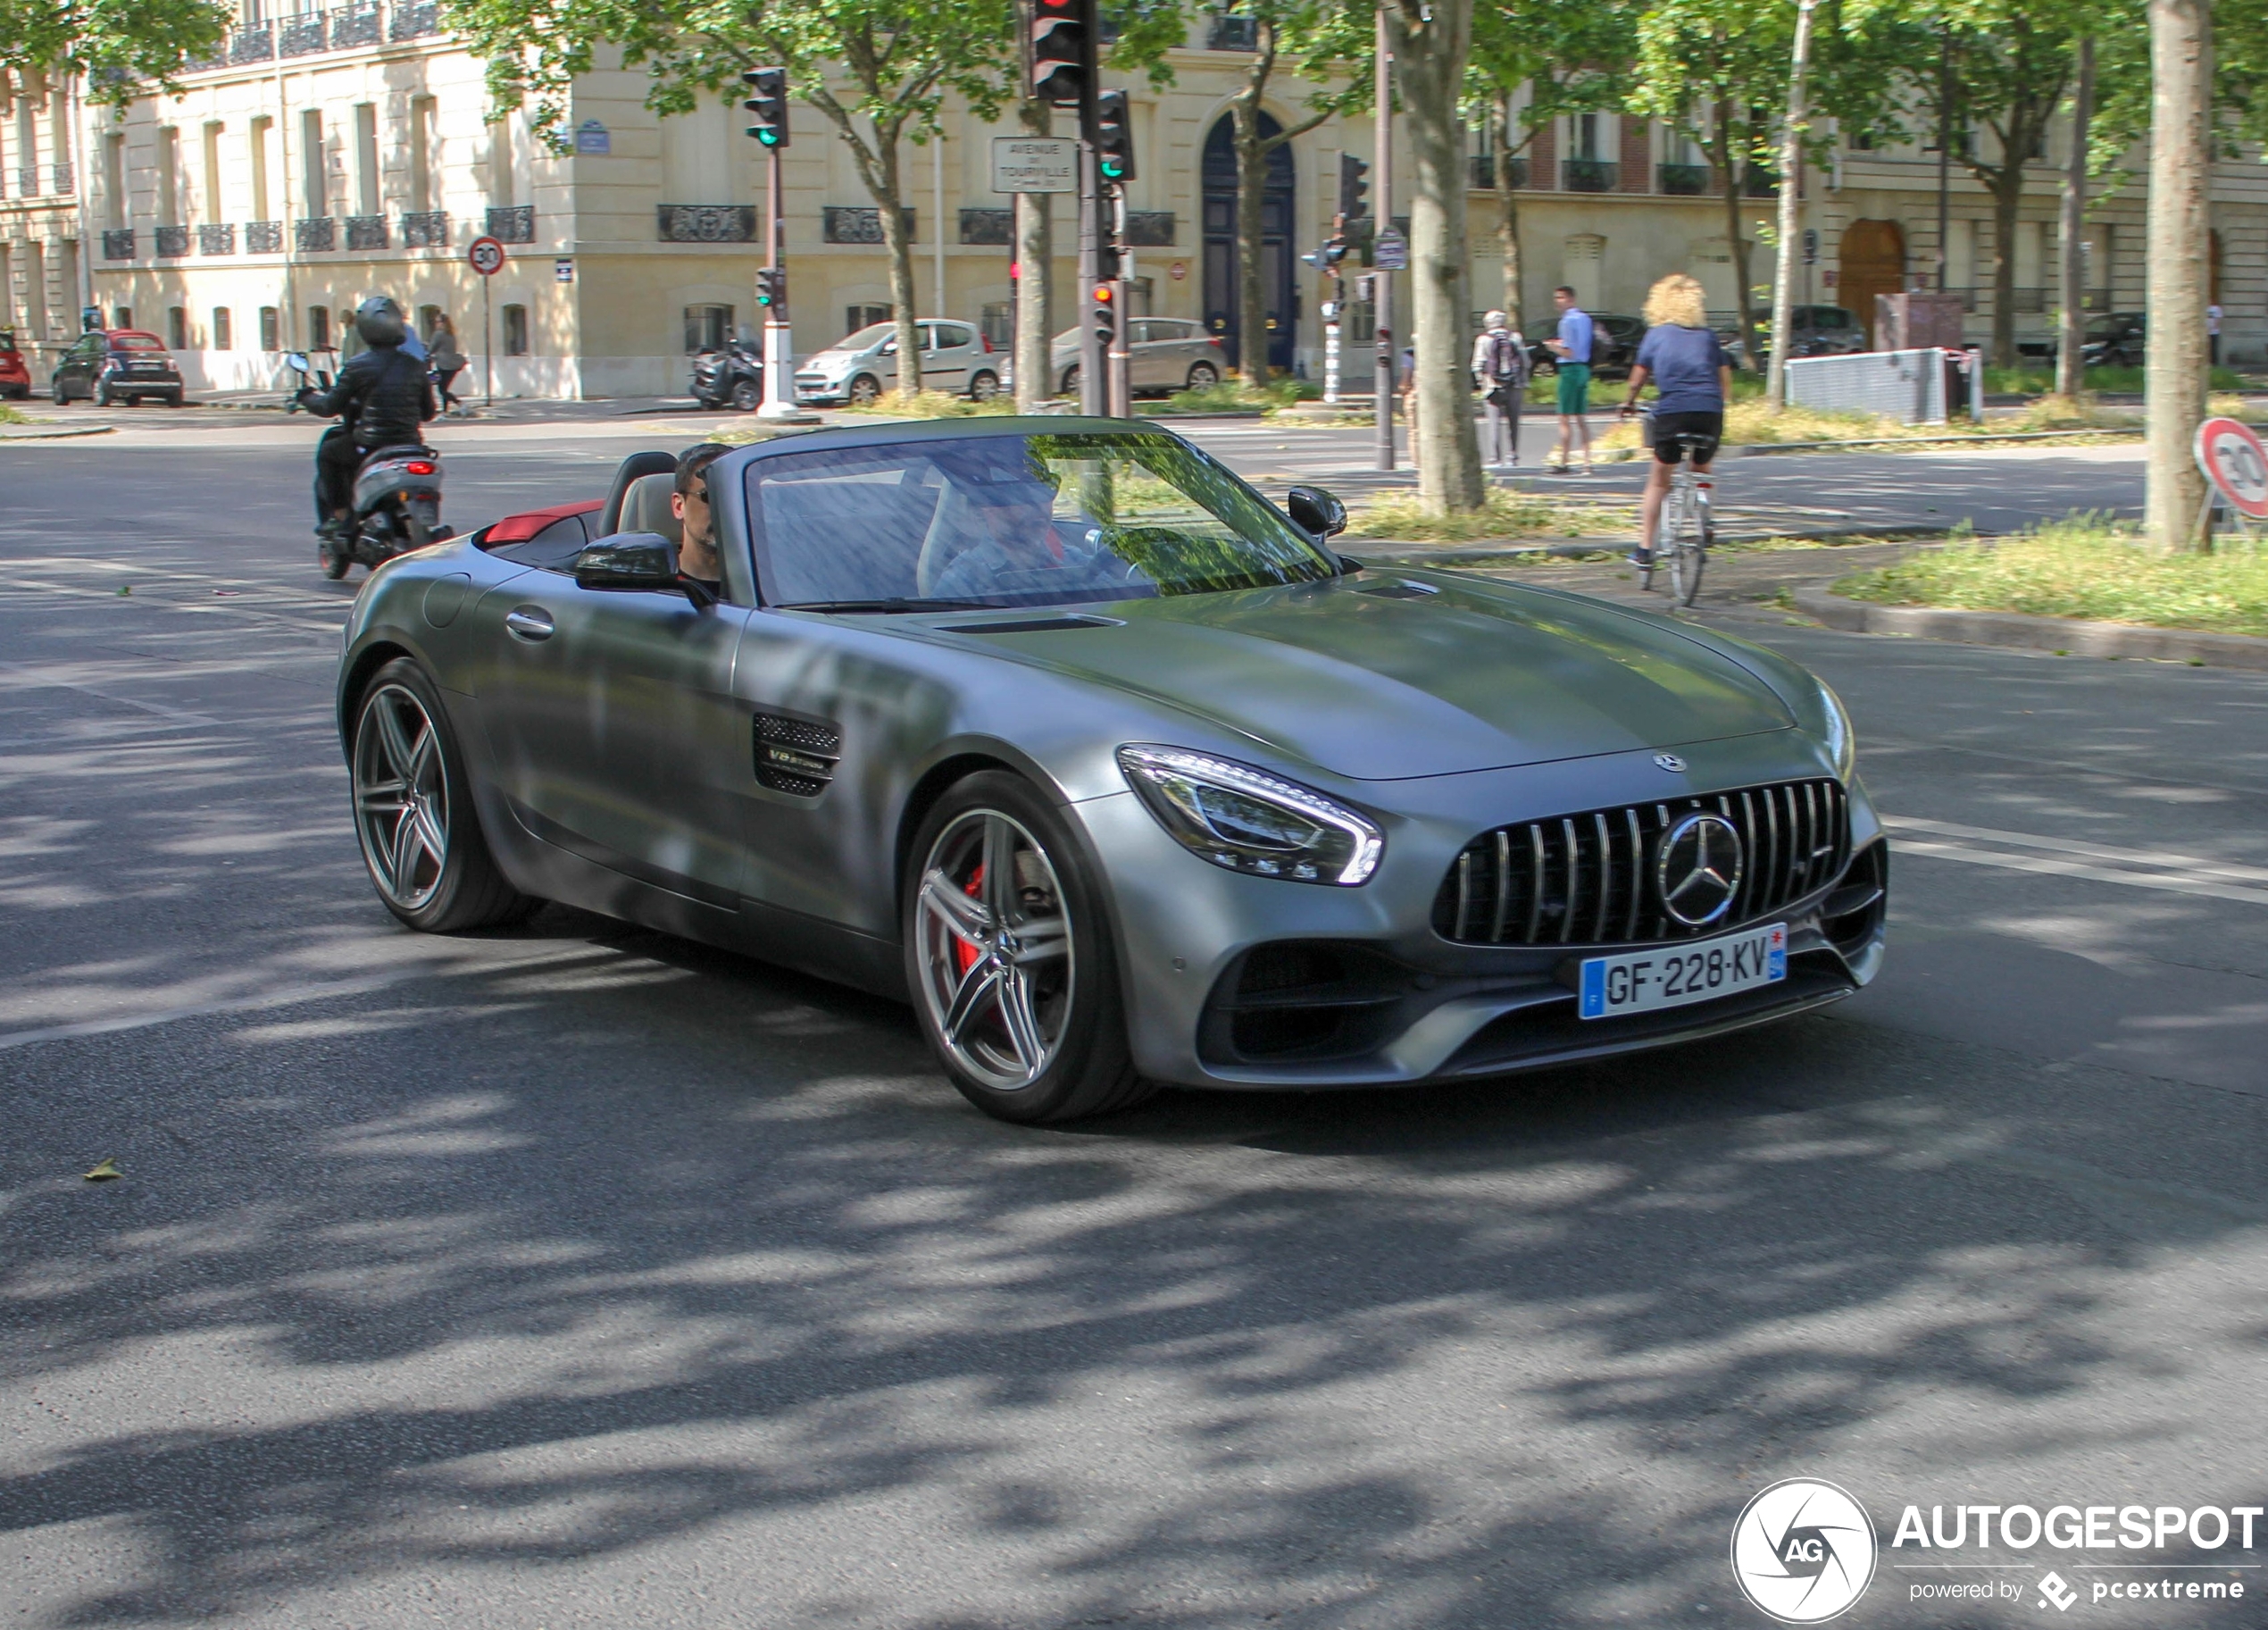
x=1688, y=558
x=56, y=389
x=865, y=391
x=174, y=400
x=984, y=387
x=746, y=398
x=419, y=535
x=1071, y=383
x=334, y=561
x=1029, y=1024
x=411, y=796
x=1203, y=376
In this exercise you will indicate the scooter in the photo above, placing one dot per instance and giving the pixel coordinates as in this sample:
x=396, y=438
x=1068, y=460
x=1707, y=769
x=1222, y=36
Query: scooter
x=734, y=375
x=396, y=505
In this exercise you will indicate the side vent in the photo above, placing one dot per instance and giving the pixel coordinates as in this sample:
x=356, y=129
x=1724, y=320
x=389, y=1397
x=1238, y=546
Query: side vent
x=795, y=755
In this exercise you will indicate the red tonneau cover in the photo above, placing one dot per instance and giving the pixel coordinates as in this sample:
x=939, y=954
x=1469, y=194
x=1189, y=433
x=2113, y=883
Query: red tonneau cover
x=528, y=523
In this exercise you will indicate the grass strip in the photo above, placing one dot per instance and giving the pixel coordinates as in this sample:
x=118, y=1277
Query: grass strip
x=1400, y=517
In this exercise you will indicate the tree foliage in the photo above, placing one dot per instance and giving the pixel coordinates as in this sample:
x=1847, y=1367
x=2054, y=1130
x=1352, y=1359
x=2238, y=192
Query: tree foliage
x=120, y=46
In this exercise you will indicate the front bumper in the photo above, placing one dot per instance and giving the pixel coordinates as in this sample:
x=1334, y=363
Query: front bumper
x=1234, y=981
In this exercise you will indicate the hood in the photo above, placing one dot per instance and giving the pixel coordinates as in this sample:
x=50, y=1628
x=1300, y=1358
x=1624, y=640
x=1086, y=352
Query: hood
x=1379, y=686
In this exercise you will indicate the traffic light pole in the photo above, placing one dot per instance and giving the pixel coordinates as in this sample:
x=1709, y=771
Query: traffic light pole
x=778, y=337
x=1330, y=339
x=1094, y=362
x=1121, y=355
x=1382, y=280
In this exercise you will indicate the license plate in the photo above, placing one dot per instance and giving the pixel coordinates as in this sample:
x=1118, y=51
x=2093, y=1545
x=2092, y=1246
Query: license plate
x=1672, y=975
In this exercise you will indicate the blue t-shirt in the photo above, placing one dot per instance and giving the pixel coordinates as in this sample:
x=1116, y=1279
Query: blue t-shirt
x=1683, y=363
x=1575, y=333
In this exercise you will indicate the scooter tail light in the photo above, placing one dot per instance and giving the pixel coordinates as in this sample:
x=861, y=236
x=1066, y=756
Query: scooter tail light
x=419, y=467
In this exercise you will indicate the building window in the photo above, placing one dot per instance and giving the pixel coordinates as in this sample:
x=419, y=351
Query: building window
x=177, y=328
x=318, y=329
x=224, y=330
x=270, y=329
x=114, y=200
x=856, y=317
x=365, y=159
x=515, y=331
x=997, y=323
x=121, y=316
x=706, y=327
x=315, y=191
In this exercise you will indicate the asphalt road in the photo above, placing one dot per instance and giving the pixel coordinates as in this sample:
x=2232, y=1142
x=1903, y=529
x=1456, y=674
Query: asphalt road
x=578, y=1276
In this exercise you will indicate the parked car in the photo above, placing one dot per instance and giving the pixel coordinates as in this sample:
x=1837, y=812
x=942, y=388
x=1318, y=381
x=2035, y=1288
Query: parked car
x=1820, y=331
x=858, y=368
x=2111, y=340
x=1164, y=354
x=15, y=378
x=112, y=366
x=1613, y=345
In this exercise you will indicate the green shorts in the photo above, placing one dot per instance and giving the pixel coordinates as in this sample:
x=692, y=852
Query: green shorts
x=1575, y=388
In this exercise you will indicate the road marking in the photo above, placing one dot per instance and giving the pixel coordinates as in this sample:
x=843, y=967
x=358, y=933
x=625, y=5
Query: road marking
x=2064, y=857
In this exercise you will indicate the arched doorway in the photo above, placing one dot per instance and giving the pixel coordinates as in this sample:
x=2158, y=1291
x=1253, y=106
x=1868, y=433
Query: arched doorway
x=1276, y=289
x=1873, y=263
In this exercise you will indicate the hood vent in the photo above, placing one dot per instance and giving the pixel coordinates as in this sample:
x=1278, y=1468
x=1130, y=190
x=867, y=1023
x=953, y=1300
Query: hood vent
x=1031, y=625
x=795, y=755
x=1401, y=589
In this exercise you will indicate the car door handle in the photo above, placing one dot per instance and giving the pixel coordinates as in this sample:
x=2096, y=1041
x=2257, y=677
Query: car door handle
x=529, y=622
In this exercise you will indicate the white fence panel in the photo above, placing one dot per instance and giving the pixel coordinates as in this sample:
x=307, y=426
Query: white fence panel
x=1907, y=386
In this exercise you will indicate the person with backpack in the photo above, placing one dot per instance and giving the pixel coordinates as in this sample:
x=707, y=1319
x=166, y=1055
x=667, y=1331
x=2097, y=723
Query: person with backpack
x=1500, y=374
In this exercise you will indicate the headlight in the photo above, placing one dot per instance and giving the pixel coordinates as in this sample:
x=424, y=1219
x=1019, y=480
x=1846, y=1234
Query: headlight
x=1249, y=821
x=1842, y=744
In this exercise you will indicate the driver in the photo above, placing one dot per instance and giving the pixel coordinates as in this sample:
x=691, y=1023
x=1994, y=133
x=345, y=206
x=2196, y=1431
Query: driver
x=1012, y=532
x=382, y=399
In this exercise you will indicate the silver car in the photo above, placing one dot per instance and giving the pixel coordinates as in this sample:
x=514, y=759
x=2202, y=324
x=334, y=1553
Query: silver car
x=1164, y=354
x=858, y=368
x=1117, y=773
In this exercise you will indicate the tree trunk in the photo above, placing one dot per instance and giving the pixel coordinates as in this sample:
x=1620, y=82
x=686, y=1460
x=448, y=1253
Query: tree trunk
x=2007, y=186
x=2175, y=377
x=1791, y=163
x=1508, y=217
x=1251, y=180
x=900, y=251
x=2070, y=366
x=1725, y=155
x=1430, y=49
x=1034, y=361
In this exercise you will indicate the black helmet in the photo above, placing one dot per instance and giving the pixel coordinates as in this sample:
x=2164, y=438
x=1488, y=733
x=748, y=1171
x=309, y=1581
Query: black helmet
x=379, y=321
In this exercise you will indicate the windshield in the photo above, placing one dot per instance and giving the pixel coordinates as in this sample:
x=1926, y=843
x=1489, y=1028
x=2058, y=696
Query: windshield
x=1041, y=520
x=136, y=342
x=873, y=333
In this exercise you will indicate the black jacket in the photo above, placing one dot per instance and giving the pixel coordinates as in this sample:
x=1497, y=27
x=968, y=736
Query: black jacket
x=382, y=395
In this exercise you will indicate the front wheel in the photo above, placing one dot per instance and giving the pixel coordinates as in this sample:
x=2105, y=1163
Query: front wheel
x=984, y=387
x=1011, y=962
x=334, y=559
x=747, y=397
x=421, y=835
x=1203, y=376
x=865, y=391
x=1071, y=383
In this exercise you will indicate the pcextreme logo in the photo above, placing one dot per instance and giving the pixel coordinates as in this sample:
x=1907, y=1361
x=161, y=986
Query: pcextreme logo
x=1803, y=1550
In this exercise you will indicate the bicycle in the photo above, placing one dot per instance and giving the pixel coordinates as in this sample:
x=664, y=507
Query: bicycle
x=1685, y=532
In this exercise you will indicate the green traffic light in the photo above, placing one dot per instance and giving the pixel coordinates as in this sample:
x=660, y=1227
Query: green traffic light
x=771, y=139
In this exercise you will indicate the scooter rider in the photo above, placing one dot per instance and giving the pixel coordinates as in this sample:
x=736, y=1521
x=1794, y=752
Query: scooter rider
x=382, y=398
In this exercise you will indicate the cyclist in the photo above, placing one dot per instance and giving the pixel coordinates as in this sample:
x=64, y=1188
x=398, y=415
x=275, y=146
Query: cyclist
x=1686, y=362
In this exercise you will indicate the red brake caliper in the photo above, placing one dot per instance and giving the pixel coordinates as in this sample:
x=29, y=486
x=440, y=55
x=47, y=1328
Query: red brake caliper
x=965, y=955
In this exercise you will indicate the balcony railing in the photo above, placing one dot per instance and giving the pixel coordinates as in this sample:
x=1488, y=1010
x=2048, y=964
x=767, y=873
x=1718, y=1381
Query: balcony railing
x=217, y=239
x=169, y=242
x=366, y=232
x=256, y=43
x=705, y=222
x=315, y=235
x=994, y=227
x=66, y=179
x=512, y=222
x=1484, y=170
x=1233, y=34
x=303, y=35
x=27, y=181
x=356, y=25
x=264, y=237
x=415, y=21
x=118, y=243
x=1682, y=181
x=1588, y=174
x=426, y=229
x=858, y=223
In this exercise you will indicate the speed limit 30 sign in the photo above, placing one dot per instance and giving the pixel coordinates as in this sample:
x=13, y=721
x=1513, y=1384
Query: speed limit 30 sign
x=486, y=256
x=2236, y=463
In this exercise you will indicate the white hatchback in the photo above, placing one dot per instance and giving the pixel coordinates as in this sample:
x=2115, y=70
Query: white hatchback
x=858, y=368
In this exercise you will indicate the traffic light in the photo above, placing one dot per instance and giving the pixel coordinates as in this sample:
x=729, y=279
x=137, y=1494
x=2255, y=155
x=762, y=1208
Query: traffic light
x=771, y=289
x=1113, y=137
x=1327, y=257
x=1106, y=262
x=1059, y=51
x=767, y=105
x=1106, y=318
x=1352, y=186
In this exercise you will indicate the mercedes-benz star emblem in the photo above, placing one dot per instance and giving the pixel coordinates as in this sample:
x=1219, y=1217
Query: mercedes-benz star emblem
x=1697, y=868
x=1669, y=761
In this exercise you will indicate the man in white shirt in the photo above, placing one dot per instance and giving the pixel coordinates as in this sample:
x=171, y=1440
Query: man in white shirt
x=1500, y=374
x=2212, y=332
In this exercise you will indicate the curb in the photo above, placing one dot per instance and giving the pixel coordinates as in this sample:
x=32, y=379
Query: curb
x=1374, y=552
x=2022, y=631
x=18, y=432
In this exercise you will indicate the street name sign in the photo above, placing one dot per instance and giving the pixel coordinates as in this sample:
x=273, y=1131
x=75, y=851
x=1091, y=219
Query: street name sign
x=1035, y=163
x=1391, y=252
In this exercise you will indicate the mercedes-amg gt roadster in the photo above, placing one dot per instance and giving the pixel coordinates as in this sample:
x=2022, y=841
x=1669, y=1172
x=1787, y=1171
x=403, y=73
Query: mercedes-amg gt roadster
x=1115, y=770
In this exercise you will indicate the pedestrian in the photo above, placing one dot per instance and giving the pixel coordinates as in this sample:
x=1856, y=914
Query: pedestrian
x=1571, y=347
x=1500, y=374
x=2212, y=332
x=448, y=361
x=1406, y=366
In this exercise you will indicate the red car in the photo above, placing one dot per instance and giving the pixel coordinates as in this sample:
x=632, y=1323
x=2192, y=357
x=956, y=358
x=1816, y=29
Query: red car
x=15, y=378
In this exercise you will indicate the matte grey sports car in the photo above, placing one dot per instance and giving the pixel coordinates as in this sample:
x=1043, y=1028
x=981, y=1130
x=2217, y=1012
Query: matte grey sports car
x=1058, y=728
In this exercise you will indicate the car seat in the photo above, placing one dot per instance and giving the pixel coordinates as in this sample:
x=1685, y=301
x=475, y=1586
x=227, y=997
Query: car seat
x=610, y=516
x=645, y=507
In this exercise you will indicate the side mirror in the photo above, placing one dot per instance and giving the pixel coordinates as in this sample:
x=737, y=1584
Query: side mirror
x=634, y=563
x=296, y=361
x=1315, y=512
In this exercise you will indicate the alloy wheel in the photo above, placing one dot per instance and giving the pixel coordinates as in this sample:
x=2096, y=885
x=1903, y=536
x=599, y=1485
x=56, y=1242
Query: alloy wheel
x=1203, y=377
x=865, y=391
x=993, y=949
x=401, y=796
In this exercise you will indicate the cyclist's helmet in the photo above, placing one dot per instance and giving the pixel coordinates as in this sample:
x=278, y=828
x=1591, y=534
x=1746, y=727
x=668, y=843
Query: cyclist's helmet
x=379, y=321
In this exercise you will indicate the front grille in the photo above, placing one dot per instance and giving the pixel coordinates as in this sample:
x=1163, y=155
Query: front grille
x=1588, y=879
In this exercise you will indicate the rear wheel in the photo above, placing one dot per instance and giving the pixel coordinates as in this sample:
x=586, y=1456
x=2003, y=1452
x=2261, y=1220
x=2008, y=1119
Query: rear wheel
x=418, y=533
x=334, y=559
x=1203, y=376
x=746, y=398
x=421, y=835
x=1687, y=556
x=1011, y=962
x=984, y=387
x=865, y=391
x=1071, y=383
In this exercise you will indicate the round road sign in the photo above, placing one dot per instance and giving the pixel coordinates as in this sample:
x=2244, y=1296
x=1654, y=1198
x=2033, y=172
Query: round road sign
x=486, y=256
x=2234, y=461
